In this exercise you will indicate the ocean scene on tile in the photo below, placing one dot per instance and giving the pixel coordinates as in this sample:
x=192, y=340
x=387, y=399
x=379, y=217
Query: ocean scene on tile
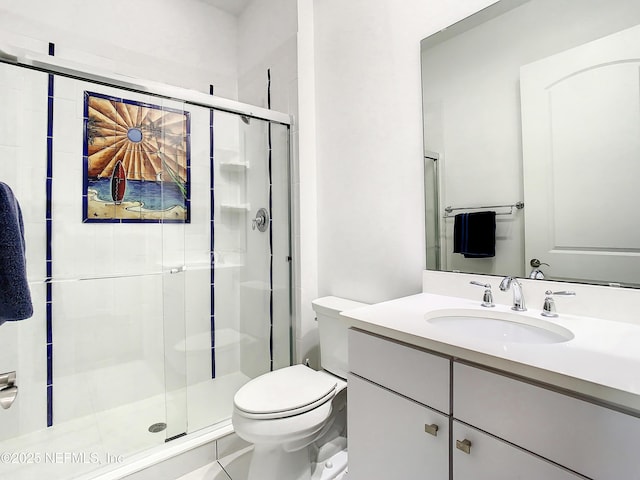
x=136, y=160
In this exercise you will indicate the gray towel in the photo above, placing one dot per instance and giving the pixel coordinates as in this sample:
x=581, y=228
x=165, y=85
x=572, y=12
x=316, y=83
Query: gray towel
x=15, y=297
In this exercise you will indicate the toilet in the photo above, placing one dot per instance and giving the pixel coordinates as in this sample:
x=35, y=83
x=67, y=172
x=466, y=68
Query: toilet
x=296, y=416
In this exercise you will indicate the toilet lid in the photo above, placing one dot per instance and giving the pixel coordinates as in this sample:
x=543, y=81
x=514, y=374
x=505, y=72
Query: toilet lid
x=285, y=392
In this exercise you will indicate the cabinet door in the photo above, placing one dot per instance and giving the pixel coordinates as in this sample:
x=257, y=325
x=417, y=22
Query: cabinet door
x=387, y=437
x=491, y=459
x=410, y=371
x=597, y=442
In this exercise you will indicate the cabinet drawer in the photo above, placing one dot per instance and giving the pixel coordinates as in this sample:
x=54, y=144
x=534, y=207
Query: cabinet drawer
x=493, y=459
x=391, y=437
x=409, y=371
x=592, y=440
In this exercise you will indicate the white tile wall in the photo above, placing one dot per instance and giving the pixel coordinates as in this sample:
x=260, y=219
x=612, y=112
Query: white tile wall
x=106, y=333
x=22, y=349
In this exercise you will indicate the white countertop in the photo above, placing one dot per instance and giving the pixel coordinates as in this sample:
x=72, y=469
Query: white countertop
x=601, y=361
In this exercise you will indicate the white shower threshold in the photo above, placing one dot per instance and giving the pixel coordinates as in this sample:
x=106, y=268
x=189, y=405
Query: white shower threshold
x=97, y=446
x=171, y=460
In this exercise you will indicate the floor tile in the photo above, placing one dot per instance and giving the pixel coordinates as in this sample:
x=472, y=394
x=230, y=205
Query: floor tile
x=213, y=471
x=237, y=464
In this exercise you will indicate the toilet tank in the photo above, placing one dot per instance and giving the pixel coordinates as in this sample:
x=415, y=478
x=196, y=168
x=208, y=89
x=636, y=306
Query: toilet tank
x=332, y=329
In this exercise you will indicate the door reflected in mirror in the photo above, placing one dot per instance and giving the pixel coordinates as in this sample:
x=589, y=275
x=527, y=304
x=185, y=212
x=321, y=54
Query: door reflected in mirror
x=538, y=102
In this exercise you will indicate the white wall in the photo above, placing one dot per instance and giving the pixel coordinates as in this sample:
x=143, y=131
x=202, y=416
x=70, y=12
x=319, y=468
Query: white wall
x=369, y=142
x=263, y=29
x=305, y=189
x=187, y=43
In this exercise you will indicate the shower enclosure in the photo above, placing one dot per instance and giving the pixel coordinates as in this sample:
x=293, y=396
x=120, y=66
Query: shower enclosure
x=157, y=226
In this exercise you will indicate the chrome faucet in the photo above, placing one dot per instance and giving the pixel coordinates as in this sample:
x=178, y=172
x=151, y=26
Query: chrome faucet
x=549, y=307
x=487, y=299
x=518, y=297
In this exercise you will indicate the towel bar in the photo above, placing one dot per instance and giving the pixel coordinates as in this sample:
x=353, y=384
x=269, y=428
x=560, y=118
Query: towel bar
x=517, y=205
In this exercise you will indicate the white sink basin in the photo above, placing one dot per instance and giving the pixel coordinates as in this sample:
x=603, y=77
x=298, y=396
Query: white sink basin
x=499, y=327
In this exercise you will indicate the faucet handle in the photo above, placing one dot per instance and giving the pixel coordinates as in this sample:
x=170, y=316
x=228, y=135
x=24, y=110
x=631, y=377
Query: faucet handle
x=535, y=263
x=561, y=292
x=487, y=298
x=549, y=306
x=536, y=273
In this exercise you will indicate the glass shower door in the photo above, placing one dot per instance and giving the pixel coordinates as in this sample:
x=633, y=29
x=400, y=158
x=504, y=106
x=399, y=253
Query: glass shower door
x=179, y=148
x=249, y=326
x=91, y=361
x=108, y=258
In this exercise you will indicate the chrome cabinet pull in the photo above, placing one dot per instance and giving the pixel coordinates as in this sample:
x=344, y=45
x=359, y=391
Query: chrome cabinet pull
x=431, y=429
x=464, y=445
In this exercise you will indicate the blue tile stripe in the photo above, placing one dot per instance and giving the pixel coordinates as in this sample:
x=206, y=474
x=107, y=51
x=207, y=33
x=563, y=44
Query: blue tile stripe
x=187, y=202
x=270, y=231
x=212, y=240
x=49, y=237
x=85, y=158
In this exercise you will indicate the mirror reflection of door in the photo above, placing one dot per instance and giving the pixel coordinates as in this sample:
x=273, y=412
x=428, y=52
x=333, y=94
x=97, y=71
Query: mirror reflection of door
x=591, y=96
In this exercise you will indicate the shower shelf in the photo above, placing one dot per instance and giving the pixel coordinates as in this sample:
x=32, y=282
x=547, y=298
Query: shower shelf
x=242, y=207
x=234, y=165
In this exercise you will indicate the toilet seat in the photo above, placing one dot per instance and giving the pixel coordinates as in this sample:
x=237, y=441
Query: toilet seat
x=284, y=393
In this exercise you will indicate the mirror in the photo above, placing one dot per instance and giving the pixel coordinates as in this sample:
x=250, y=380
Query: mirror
x=536, y=104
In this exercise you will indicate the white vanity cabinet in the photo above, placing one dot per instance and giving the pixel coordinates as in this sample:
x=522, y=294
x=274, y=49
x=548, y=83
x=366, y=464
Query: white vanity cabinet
x=595, y=441
x=394, y=431
x=393, y=437
x=490, y=425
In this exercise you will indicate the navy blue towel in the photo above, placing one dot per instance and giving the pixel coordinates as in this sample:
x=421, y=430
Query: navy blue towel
x=15, y=297
x=474, y=234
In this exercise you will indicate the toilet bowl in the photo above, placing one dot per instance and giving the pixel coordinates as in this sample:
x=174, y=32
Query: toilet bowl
x=289, y=414
x=300, y=406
